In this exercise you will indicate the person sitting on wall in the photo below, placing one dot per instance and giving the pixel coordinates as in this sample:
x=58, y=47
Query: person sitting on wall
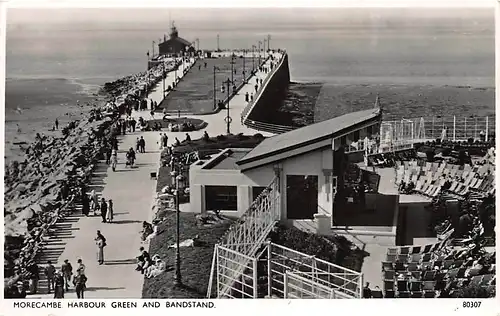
x=188, y=138
x=205, y=136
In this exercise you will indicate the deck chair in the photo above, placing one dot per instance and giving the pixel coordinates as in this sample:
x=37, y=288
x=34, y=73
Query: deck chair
x=436, y=192
x=474, y=272
x=404, y=250
x=427, y=249
x=392, y=251
x=425, y=266
x=487, y=279
x=416, y=257
x=452, y=274
x=428, y=285
x=377, y=294
x=476, y=280
x=404, y=258
x=415, y=286
x=404, y=294
x=453, y=186
x=389, y=285
x=387, y=266
x=389, y=294
x=416, y=274
x=429, y=294
x=429, y=275
x=389, y=275
x=461, y=273
x=402, y=285
x=415, y=250
x=447, y=264
x=399, y=266
x=435, y=247
x=429, y=190
x=390, y=258
x=412, y=266
x=417, y=294
x=419, y=185
x=473, y=183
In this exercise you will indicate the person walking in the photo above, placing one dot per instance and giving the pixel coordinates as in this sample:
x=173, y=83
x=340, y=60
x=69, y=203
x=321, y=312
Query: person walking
x=104, y=209
x=161, y=141
x=114, y=160
x=142, y=145
x=34, y=272
x=108, y=155
x=85, y=206
x=100, y=241
x=165, y=140
x=80, y=270
x=109, y=214
x=57, y=123
x=133, y=122
x=49, y=272
x=59, y=285
x=80, y=285
x=137, y=145
x=67, y=271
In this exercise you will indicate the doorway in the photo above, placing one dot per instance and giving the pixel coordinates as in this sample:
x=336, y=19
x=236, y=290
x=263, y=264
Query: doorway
x=301, y=196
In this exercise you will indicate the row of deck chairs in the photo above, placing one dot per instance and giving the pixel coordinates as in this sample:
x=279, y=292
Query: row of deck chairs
x=390, y=159
x=410, y=272
x=430, y=177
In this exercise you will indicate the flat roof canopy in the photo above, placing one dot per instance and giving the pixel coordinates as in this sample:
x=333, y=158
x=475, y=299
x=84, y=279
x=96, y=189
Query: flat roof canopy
x=310, y=134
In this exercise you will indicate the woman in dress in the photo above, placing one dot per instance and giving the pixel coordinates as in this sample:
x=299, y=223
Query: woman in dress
x=109, y=214
x=114, y=159
x=100, y=241
x=59, y=285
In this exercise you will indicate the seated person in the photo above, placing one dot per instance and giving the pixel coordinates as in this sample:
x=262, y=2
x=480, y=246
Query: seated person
x=143, y=260
x=156, y=268
x=147, y=229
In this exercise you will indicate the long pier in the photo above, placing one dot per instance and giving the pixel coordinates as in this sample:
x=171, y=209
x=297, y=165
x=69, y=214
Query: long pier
x=133, y=193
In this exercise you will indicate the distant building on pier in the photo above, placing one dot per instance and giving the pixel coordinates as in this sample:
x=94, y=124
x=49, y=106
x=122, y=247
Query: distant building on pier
x=175, y=45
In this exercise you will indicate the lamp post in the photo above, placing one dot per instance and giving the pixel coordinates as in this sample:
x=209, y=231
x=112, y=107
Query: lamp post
x=163, y=77
x=259, y=53
x=215, y=88
x=232, y=67
x=228, y=117
x=177, y=180
x=253, y=58
x=244, y=52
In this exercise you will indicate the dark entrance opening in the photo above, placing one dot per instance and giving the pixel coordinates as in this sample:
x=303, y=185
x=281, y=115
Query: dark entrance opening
x=301, y=196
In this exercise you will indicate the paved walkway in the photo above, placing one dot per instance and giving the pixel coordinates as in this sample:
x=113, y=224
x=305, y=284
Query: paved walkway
x=131, y=191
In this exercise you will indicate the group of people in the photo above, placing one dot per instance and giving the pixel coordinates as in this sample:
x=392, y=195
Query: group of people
x=149, y=266
x=140, y=145
x=105, y=209
x=60, y=280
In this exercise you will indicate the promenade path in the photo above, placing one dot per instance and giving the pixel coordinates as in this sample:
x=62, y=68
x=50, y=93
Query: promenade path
x=132, y=192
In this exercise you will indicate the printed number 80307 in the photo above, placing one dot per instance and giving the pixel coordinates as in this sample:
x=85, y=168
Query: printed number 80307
x=475, y=304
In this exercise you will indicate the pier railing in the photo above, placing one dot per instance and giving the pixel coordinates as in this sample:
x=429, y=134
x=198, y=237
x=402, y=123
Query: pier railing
x=268, y=127
x=250, y=106
x=406, y=132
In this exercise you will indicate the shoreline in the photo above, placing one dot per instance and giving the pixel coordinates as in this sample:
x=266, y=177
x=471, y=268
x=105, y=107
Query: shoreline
x=45, y=185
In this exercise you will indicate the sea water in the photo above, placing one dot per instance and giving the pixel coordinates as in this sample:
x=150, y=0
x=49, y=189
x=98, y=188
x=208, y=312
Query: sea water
x=55, y=65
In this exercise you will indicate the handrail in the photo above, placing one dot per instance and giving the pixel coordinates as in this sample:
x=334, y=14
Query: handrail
x=246, y=111
x=269, y=127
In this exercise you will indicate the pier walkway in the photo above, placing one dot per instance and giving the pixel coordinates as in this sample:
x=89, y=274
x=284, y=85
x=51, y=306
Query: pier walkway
x=132, y=192
x=195, y=93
